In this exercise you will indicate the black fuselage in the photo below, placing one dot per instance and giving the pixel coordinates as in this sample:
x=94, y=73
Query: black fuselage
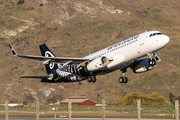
x=68, y=73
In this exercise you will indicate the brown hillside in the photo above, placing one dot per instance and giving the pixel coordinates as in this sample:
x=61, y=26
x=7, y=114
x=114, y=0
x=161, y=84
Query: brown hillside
x=75, y=28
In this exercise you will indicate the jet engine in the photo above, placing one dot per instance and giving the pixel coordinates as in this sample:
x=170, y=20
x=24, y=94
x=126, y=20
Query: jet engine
x=116, y=60
x=144, y=65
x=98, y=63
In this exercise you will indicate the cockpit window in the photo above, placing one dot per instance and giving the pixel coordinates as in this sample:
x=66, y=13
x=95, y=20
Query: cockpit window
x=159, y=33
x=155, y=34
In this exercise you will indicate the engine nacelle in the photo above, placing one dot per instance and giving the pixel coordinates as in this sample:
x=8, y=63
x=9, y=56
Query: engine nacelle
x=116, y=60
x=144, y=65
x=98, y=63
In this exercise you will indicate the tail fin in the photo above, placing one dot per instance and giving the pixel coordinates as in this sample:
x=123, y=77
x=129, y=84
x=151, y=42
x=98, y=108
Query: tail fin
x=47, y=53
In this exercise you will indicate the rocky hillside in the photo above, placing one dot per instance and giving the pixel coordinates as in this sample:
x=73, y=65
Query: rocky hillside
x=75, y=28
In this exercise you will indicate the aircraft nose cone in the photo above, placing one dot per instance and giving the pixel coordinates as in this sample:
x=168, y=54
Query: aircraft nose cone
x=166, y=39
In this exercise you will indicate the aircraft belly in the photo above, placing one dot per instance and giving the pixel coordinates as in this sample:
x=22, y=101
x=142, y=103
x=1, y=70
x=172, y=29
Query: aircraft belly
x=119, y=67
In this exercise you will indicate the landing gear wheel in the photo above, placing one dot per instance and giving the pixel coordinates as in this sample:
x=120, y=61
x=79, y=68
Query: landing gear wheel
x=121, y=79
x=152, y=62
x=91, y=79
x=125, y=80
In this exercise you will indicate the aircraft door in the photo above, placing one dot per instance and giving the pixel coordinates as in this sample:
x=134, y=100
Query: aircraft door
x=141, y=40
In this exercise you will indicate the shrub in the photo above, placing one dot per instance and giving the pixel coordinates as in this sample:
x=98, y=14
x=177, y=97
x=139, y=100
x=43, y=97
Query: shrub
x=153, y=99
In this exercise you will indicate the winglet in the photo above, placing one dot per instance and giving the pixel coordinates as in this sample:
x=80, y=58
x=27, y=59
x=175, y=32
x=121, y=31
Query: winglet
x=12, y=49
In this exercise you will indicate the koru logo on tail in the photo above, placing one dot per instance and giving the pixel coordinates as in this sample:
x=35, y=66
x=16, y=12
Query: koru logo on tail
x=49, y=54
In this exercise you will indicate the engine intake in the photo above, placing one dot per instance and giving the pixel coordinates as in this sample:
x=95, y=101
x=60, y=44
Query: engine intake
x=104, y=60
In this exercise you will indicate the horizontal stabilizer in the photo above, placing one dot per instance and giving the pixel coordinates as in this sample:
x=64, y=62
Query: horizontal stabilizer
x=50, y=77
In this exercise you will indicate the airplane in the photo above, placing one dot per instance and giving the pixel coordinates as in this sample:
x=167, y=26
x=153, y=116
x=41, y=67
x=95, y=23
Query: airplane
x=120, y=56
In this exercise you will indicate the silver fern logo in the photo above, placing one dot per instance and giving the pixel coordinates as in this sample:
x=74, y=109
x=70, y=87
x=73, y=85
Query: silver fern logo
x=49, y=54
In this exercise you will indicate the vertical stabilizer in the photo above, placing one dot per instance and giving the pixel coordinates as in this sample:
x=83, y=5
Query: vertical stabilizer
x=47, y=53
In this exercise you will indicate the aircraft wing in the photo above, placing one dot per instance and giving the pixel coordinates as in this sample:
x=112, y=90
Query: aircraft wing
x=51, y=59
x=54, y=59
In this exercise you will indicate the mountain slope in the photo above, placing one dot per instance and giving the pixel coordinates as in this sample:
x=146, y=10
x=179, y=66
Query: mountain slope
x=75, y=28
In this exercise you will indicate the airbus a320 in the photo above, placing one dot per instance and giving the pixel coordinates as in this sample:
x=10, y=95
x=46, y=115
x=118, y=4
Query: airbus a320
x=120, y=56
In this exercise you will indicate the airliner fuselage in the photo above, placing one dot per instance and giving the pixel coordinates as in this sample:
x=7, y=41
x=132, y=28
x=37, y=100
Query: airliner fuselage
x=119, y=56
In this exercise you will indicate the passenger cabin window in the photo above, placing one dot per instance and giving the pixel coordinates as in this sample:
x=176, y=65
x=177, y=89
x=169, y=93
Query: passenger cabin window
x=151, y=35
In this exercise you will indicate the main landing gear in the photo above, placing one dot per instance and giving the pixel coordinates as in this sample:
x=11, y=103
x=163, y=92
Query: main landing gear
x=91, y=79
x=123, y=79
